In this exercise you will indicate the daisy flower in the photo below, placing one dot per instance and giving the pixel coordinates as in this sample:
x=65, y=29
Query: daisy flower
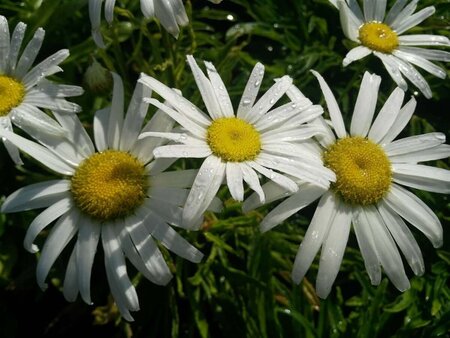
x=381, y=34
x=370, y=170
x=115, y=193
x=170, y=13
x=24, y=90
x=237, y=147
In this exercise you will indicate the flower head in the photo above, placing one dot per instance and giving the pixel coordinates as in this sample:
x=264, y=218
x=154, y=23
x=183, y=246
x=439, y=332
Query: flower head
x=258, y=139
x=171, y=15
x=370, y=170
x=115, y=193
x=24, y=89
x=382, y=34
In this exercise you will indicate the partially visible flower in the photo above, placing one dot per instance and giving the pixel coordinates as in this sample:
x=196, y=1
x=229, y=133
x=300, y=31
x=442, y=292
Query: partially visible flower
x=381, y=34
x=117, y=194
x=258, y=139
x=24, y=89
x=170, y=13
x=370, y=170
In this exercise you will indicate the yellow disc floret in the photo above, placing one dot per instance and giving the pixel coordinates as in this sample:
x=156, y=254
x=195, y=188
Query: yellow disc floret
x=109, y=185
x=378, y=36
x=362, y=168
x=12, y=93
x=233, y=139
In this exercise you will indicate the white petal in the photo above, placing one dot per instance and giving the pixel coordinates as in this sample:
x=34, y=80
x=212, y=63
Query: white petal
x=387, y=115
x=166, y=15
x=234, y=180
x=186, y=121
x=204, y=188
x=39, y=98
x=403, y=237
x=415, y=77
x=150, y=269
x=369, y=9
x=430, y=154
x=177, y=179
x=182, y=151
x=170, y=212
x=333, y=108
x=411, y=208
x=143, y=148
x=251, y=178
x=148, y=8
x=388, y=254
x=29, y=54
x=424, y=40
x=380, y=10
x=16, y=43
x=115, y=117
x=134, y=118
x=176, y=137
x=220, y=91
x=271, y=191
x=88, y=236
x=413, y=20
x=250, y=91
x=392, y=67
x=172, y=240
x=304, y=197
x=76, y=133
x=394, y=11
x=148, y=250
x=267, y=101
x=315, y=235
x=123, y=291
x=414, y=143
x=350, y=21
x=367, y=245
x=45, y=68
x=34, y=121
x=365, y=105
x=404, y=13
x=181, y=104
x=39, y=153
x=13, y=151
x=281, y=180
x=400, y=122
x=280, y=114
x=355, y=54
x=429, y=54
x=422, y=63
x=422, y=177
x=36, y=196
x=59, y=237
x=206, y=90
x=109, y=10
x=333, y=250
x=59, y=209
x=100, y=128
x=95, y=12
x=70, y=287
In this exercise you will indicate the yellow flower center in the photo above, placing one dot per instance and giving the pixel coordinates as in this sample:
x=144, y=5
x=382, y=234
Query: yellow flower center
x=362, y=168
x=11, y=94
x=378, y=36
x=109, y=185
x=233, y=139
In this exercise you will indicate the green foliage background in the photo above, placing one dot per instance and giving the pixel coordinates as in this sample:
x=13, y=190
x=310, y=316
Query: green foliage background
x=243, y=286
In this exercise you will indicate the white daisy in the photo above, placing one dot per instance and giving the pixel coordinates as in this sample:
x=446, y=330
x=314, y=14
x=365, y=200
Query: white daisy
x=370, y=170
x=24, y=89
x=381, y=34
x=117, y=193
x=170, y=13
x=257, y=140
